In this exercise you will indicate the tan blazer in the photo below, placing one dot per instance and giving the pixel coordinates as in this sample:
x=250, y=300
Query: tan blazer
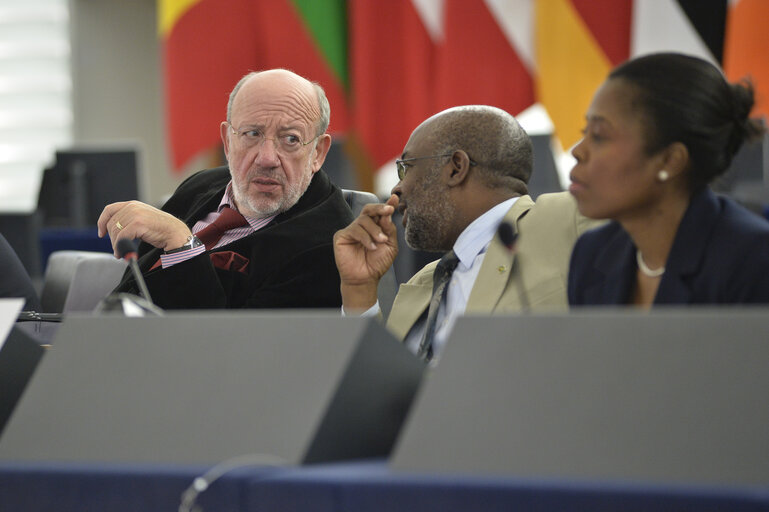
x=547, y=232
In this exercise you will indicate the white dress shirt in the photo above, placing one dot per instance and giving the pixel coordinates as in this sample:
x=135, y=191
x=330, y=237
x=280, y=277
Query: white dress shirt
x=470, y=248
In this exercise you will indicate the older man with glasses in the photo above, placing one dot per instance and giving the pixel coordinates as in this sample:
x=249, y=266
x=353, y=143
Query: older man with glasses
x=462, y=192
x=256, y=233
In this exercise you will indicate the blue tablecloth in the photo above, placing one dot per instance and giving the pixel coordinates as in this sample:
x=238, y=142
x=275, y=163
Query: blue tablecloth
x=358, y=486
x=115, y=488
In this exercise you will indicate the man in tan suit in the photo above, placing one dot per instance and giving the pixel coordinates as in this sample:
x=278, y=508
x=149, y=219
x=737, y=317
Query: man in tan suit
x=463, y=172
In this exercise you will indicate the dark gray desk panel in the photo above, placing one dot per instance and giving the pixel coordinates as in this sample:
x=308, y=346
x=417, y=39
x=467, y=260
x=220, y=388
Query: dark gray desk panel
x=19, y=356
x=669, y=396
x=190, y=388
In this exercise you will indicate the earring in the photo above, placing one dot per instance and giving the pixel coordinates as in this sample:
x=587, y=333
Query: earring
x=663, y=175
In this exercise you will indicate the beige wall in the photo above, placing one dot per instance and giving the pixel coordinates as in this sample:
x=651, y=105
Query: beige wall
x=117, y=85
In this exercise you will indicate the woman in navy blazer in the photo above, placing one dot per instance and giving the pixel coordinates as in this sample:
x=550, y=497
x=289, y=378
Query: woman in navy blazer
x=659, y=129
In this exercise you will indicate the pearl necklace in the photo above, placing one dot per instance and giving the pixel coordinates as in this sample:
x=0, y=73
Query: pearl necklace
x=645, y=270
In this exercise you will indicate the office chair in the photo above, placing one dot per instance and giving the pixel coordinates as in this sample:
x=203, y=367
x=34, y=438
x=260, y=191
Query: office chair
x=78, y=280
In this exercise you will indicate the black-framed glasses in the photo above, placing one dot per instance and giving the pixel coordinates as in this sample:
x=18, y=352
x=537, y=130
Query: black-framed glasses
x=285, y=143
x=400, y=164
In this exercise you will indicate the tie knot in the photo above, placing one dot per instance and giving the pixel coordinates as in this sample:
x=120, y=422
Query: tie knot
x=446, y=265
x=229, y=218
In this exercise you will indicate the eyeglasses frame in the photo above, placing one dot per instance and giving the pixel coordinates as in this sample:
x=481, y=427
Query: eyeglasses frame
x=303, y=144
x=401, y=169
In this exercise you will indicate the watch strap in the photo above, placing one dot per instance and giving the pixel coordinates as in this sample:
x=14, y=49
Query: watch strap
x=191, y=243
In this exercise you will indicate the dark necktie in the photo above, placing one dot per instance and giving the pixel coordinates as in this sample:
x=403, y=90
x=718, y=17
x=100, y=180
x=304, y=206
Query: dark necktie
x=441, y=278
x=227, y=219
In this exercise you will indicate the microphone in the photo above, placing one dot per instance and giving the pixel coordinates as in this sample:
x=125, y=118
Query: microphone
x=507, y=235
x=125, y=303
x=126, y=250
x=509, y=238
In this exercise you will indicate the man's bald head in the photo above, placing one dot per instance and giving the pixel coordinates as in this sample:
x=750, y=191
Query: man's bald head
x=290, y=79
x=491, y=137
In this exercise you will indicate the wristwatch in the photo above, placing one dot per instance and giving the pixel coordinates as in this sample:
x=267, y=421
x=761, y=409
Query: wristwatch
x=191, y=243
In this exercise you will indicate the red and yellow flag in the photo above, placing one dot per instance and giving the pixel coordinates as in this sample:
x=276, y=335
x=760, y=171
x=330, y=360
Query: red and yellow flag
x=578, y=42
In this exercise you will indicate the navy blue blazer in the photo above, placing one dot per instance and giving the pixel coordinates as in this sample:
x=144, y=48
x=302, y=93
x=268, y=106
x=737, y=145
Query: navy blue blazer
x=720, y=255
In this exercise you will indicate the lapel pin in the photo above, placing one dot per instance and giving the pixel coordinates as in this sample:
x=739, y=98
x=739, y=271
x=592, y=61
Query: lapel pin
x=501, y=269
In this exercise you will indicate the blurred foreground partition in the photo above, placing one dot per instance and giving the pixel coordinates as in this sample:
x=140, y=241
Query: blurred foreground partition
x=20, y=353
x=202, y=388
x=673, y=397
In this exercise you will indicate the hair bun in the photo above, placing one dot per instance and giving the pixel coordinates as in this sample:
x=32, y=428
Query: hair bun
x=742, y=99
x=744, y=128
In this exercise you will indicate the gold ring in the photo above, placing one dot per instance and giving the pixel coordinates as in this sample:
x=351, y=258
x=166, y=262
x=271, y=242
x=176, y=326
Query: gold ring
x=118, y=225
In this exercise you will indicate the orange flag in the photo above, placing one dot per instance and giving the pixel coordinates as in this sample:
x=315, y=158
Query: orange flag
x=746, y=49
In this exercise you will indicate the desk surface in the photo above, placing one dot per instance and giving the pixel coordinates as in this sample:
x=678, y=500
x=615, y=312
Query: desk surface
x=359, y=486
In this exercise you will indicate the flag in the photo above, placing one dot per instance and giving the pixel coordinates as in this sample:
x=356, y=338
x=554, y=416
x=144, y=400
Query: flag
x=391, y=78
x=694, y=27
x=388, y=65
x=481, y=65
x=578, y=42
x=746, y=49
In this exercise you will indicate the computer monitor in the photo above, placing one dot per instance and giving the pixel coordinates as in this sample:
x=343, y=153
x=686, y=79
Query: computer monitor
x=81, y=182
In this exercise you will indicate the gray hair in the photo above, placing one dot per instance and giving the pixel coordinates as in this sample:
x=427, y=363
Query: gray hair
x=492, y=138
x=325, y=108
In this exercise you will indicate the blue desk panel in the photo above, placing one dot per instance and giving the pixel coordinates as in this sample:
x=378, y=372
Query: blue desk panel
x=372, y=487
x=88, y=488
x=359, y=487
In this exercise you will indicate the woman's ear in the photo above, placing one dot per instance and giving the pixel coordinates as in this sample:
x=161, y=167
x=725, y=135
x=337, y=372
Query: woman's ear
x=676, y=159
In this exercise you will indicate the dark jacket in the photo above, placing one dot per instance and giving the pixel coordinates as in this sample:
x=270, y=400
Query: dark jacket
x=290, y=261
x=720, y=255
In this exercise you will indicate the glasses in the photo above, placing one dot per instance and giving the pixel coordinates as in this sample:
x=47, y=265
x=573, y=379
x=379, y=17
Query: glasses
x=286, y=143
x=401, y=164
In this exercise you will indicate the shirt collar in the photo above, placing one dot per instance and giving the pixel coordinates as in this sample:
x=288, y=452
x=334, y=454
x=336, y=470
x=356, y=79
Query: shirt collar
x=476, y=237
x=227, y=198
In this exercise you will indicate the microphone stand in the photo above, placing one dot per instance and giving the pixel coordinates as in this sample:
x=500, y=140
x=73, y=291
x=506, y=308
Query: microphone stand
x=509, y=239
x=126, y=303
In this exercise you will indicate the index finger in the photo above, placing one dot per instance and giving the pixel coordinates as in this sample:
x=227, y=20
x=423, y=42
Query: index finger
x=386, y=221
x=375, y=210
x=393, y=201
